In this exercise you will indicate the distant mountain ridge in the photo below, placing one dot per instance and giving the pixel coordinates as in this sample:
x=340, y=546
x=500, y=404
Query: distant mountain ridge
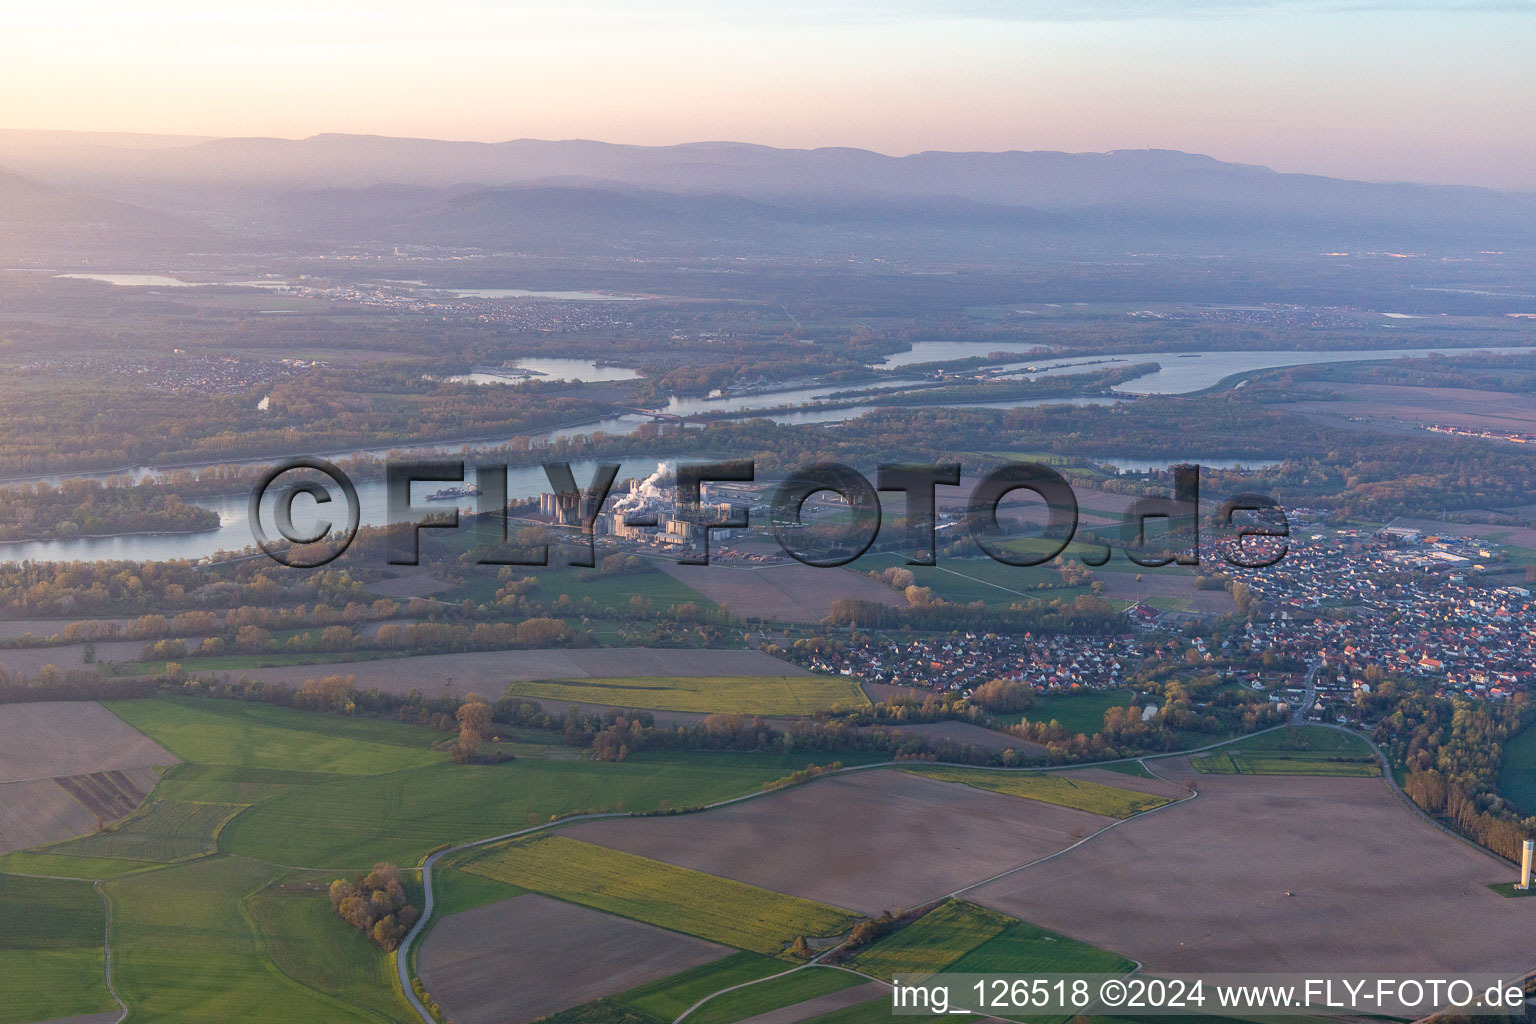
x=578, y=194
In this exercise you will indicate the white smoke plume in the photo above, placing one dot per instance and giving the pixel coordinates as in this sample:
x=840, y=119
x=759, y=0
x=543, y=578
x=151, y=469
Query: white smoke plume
x=654, y=488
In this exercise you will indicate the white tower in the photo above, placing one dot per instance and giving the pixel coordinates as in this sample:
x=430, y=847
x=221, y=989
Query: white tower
x=1525, y=863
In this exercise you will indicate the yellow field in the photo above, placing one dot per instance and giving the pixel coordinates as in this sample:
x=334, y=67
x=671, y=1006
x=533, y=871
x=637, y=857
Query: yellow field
x=684, y=900
x=746, y=695
x=1052, y=789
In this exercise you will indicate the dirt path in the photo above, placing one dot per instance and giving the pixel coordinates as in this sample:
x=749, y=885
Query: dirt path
x=402, y=956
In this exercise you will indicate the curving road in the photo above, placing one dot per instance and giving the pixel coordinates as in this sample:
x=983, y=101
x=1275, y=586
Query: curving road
x=402, y=955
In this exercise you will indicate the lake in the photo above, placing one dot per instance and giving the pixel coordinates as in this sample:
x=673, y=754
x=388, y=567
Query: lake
x=234, y=530
x=528, y=293
x=582, y=371
x=625, y=424
x=1133, y=464
x=162, y=281
x=1181, y=372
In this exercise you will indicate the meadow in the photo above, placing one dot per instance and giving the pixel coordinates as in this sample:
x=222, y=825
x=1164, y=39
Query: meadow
x=311, y=945
x=771, y=995
x=588, y=592
x=51, y=962
x=163, y=831
x=967, y=580
x=353, y=822
x=1021, y=947
x=665, y=999
x=230, y=934
x=746, y=695
x=264, y=736
x=1077, y=712
x=184, y=949
x=1517, y=773
x=1302, y=750
x=1062, y=790
x=933, y=941
x=681, y=899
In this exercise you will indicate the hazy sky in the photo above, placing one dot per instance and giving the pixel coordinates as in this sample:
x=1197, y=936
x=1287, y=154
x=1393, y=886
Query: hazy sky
x=1384, y=90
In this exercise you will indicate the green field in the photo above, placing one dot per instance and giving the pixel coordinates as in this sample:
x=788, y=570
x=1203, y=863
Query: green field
x=771, y=995
x=876, y=1011
x=1132, y=768
x=1517, y=774
x=718, y=909
x=51, y=950
x=1077, y=712
x=47, y=862
x=205, y=941
x=589, y=593
x=1301, y=750
x=1062, y=790
x=1021, y=947
x=747, y=695
x=354, y=822
x=932, y=942
x=234, y=784
x=457, y=890
x=667, y=998
x=162, y=831
x=264, y=736
x=185, y=950
x=307, y=942
x=966, y=580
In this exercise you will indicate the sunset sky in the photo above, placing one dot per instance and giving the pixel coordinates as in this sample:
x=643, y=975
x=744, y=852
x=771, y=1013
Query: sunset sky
x=1438, y=92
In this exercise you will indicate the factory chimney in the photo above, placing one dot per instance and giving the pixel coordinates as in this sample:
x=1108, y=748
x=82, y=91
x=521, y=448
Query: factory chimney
x=1525, y=863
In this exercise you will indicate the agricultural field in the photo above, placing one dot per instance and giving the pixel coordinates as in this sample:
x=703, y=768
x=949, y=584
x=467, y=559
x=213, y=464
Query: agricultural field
x=398, y=816
x=40, y=811
x=871, y=841
x=875, y=1011
x=219, y=938
x=56, y=739
x=1077, y=712
x=488, y=672
x=306, y=941
x=665, y=1000
x=1305, y=750
x=967, y=580
x=964, y=938
x=51, y=960
x=933, y=941
x=747, y=695
x=529, y=956
x=1517, y=775
x=1021, y=948
x=210, y=732
x=786, y=592
x=184, y=949
x=1062, y=790
x=166, y=830
x=1227, y=881
x=791, y=990
x=654, y=892
x=971, y=734
x=67, y=769
x=590, y=593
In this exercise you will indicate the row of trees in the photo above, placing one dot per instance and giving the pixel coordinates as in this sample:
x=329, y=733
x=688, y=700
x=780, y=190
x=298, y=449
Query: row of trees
x=1502, y=833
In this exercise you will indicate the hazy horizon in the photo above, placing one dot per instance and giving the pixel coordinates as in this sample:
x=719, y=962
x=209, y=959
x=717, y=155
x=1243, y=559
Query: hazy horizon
x=1393, y=90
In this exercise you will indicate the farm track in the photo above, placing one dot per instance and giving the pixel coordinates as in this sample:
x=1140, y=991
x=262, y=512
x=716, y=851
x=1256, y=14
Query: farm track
x=408, y=944
x=402, y=956
x=107, y=947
